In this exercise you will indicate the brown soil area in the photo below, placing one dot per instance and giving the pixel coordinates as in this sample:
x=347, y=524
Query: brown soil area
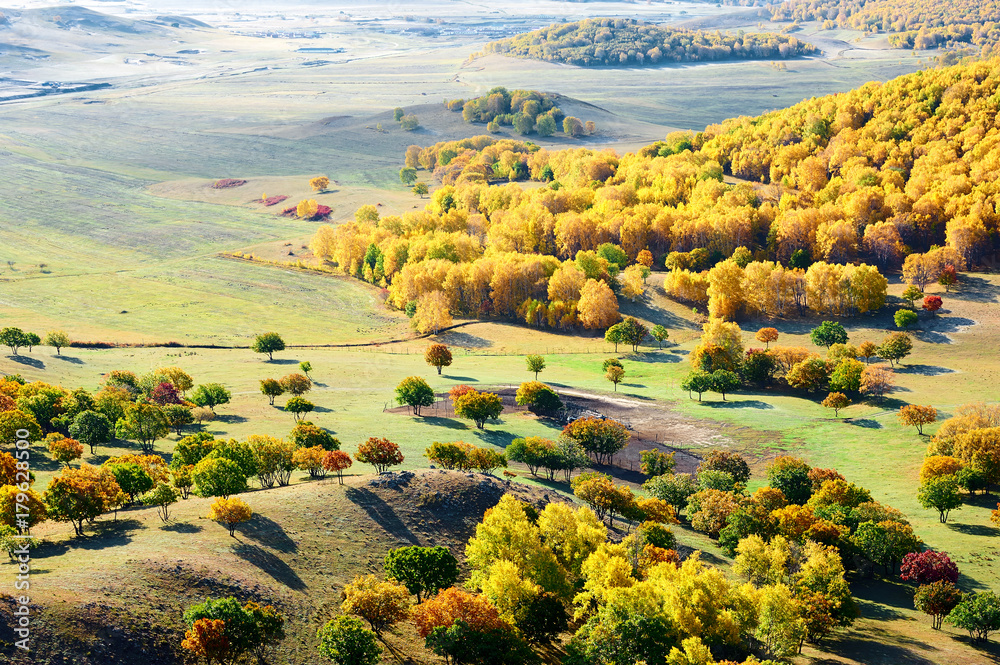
x=652, y=425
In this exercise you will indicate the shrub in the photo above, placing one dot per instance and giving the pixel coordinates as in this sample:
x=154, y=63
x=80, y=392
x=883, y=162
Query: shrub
x=346, y=641
x=311, y=460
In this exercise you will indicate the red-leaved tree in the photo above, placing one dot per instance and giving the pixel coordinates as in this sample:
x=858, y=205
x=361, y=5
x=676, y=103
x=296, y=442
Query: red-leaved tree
x=928, y=567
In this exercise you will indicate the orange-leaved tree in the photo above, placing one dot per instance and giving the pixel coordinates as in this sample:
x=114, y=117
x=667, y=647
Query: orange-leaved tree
x=917, y=416
x=438, y=355
x=380, y=453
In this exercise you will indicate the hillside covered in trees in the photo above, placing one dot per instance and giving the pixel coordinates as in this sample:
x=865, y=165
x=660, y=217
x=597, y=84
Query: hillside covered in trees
x=627, y=42
x=894, y=175
x=917, y=24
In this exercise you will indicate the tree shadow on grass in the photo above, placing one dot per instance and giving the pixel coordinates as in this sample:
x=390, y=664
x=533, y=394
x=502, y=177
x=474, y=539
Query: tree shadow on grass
x=30, y=362
x=381, y=512
x=457, y=378
x=282, y=361
x=70, y=359
x=739, y=404
x=106, y=533
x=975, y=289
x=438, y=421
x=266, y=531
x=499, y=438
x=925, y=370
x=974, y=529
x=230, y=419
x=658, y=357
x=270, y=564
x=867, y=423
x=878, y=646
x=182, y=527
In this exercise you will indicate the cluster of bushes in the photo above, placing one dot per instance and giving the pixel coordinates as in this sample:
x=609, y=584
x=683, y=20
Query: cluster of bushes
x=227, y=183
x=628, y=42
x=720, y=363
x=526, y=111
x=308, y=209
x=407, y=121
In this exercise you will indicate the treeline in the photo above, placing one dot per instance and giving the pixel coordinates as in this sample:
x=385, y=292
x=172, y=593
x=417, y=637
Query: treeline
x=628, y=42
x=526, y=111
x=918, y=24
x=895, y=175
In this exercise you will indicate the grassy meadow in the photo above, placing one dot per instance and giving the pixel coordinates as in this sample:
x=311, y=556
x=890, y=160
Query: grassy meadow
x=110, y=230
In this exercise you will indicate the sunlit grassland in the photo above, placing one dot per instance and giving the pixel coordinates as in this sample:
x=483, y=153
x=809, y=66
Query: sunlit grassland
x=354, y=387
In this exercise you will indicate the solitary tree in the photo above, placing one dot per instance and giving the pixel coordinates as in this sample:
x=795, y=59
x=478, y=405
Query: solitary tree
x=299, y=406
x=144, y=423
x=381, y=603
x=162, y=496
x=438, y=355
x=828, y=333
x=660, y=334
x=337, y=461
x=724, y=381
x=319, y=183
x=296, y=384
x=948, y=278
x=905, y=318
x=407, y=175
x=423, y=570
x=14, y=339
x=91, y=428
x=346, y=641
x=230, y=512
x=268, y=343
x=932, y=303
x=911, y=293
x=271, y=388
x=633, y=332
x=937, y=599
x=767, y=335
x=836, y=401
x=697, y=381
x=917, y=416
x=414, y=392
x=306, y=367
x=941, y=494
x=895, y=347
x=978, y=613
x=615, y=335
x=420, y=189
x=56, y=339
x=615, y=375
x=479, y=407
x=380, y=453
x=211, y=395
x=535, y=363
x=868, y=350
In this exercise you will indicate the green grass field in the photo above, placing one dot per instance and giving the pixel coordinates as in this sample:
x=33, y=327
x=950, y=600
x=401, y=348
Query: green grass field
x=354, y=387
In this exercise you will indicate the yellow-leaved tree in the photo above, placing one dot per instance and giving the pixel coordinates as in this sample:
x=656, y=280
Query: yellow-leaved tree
x=432, y=313
x=598, y=307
